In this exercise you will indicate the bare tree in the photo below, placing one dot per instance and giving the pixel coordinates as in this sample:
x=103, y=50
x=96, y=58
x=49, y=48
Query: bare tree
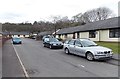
x=76, y=18
x=55, y=20
x=101, y=13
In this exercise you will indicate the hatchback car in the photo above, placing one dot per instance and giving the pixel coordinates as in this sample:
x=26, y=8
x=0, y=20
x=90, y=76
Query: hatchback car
x=87, y=48
x=47, y=36
x=16, y=40
x=52, y=43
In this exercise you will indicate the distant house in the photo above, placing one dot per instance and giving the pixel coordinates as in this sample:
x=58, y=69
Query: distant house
x=105, y=30
x=41, y=34
x=19, y=34
x=45, y=33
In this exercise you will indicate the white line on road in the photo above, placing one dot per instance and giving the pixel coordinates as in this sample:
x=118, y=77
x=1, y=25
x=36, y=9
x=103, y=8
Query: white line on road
x=24, y=70
x=81, y=65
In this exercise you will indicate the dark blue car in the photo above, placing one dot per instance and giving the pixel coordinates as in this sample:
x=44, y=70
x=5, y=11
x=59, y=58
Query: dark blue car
x=52, y=43
x=16, y=40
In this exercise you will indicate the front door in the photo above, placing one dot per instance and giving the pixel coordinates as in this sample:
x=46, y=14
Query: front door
x=79, y=48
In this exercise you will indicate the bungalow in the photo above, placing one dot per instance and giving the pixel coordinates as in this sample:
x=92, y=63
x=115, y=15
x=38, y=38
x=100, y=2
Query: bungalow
x=104, y=30
x=20, y=34
x=41, y=34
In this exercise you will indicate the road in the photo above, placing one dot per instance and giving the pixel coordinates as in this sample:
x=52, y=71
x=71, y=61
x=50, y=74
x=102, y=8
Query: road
x=39, y=61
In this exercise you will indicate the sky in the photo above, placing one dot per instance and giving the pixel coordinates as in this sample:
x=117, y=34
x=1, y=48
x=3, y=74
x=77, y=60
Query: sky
x=18, y=11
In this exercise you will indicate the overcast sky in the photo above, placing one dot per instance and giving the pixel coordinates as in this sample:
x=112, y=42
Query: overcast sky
x=17, y=11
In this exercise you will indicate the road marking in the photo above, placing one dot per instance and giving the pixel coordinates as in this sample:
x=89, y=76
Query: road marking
x=81, y=65
x=23, y=67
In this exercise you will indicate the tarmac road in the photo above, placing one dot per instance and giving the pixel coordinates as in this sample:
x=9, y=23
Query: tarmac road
x=39, y=61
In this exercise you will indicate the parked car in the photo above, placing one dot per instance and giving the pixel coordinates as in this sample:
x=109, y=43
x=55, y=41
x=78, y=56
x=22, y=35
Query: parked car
x=47, y=36
x=33, y=37
x=16, y=40
x=88, y=49
x=52, y=43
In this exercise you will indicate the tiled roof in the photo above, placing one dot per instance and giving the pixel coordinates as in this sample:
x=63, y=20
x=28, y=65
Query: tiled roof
x=103, y=24
x=19, y=33
x=45, y=33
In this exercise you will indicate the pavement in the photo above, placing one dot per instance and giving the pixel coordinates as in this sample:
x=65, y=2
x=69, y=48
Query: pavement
x=115, y=60
x=44, y=62
x=116, y=57
x=10, y=64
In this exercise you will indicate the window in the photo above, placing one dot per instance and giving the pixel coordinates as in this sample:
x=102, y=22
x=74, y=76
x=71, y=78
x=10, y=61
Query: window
x=18, y=35
x=77, y=43
x=66, y=42
x=46, y=40
x=53, y=40
x=92, y=34
x=87, y=43
x=73, y=35
x=59, y=36
x=71, y=42
x=114, y=33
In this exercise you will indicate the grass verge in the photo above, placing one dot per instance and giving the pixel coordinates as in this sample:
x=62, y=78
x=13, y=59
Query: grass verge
x=112, y=45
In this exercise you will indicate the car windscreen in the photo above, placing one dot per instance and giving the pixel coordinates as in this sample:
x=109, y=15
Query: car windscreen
x=88, y=43
x=16, y=38
x=54, y=40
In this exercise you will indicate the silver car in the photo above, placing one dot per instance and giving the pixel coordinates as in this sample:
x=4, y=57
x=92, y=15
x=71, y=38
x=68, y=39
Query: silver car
x=87, y=48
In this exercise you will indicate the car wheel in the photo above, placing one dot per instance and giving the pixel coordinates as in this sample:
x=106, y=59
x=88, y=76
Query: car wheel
x=50, y=47
x=44, y=45
x=90, y=56
x=13, y=43
x=67, y=51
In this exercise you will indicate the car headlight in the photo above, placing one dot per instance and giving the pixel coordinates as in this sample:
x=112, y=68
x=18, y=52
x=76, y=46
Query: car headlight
x=111, y=52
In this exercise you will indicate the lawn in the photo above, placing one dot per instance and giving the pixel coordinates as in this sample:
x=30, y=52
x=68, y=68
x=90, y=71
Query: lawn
x=112, y=45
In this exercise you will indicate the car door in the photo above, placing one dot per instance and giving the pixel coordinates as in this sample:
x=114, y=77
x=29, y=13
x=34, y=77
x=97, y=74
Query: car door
x=71, y=46
x=79, y=49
